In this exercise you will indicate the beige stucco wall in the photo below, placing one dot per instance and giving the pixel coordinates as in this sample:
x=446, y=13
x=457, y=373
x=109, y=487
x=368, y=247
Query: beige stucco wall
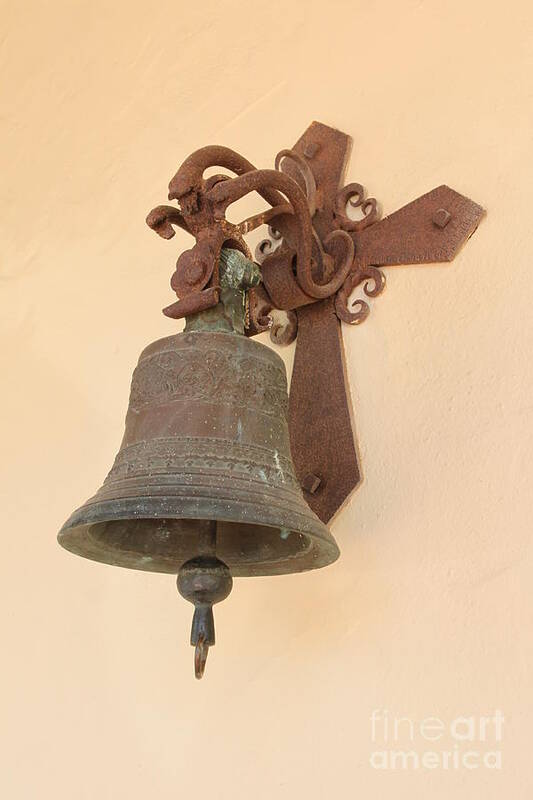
x=428, y=612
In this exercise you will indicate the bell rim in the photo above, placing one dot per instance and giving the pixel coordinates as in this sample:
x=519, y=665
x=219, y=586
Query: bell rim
x=75, y=535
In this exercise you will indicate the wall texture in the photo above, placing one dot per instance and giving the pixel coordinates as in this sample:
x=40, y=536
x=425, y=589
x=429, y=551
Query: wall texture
x=428, y=613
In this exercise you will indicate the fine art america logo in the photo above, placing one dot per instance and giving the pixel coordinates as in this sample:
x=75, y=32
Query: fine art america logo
x=465, y=742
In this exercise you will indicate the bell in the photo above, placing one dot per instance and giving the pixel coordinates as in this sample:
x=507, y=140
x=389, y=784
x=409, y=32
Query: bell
x=203, y=485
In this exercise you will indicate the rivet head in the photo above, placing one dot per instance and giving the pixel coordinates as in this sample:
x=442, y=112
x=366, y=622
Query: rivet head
x=311, y=149
x=311, y=483
x=441, y=217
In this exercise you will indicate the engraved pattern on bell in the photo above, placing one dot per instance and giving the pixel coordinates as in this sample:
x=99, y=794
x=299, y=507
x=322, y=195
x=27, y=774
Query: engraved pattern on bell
x=161, y=456
x=198, y=374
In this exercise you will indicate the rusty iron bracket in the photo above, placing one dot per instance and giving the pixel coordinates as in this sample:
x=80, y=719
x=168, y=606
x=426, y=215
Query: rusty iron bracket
x=316, y=255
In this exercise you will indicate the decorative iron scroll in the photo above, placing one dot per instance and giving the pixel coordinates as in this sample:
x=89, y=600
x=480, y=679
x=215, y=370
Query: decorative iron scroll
x=312, y=268
x=316, y=255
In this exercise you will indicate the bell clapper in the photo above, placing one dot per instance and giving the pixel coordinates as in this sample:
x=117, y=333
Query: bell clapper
x=204, y=580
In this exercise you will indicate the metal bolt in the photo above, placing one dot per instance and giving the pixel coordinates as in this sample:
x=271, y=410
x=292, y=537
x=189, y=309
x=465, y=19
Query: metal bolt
x=441, y=217
x=311, y=483
x=311, y=149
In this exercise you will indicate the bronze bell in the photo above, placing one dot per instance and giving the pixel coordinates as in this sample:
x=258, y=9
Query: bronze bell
x=204, y=484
